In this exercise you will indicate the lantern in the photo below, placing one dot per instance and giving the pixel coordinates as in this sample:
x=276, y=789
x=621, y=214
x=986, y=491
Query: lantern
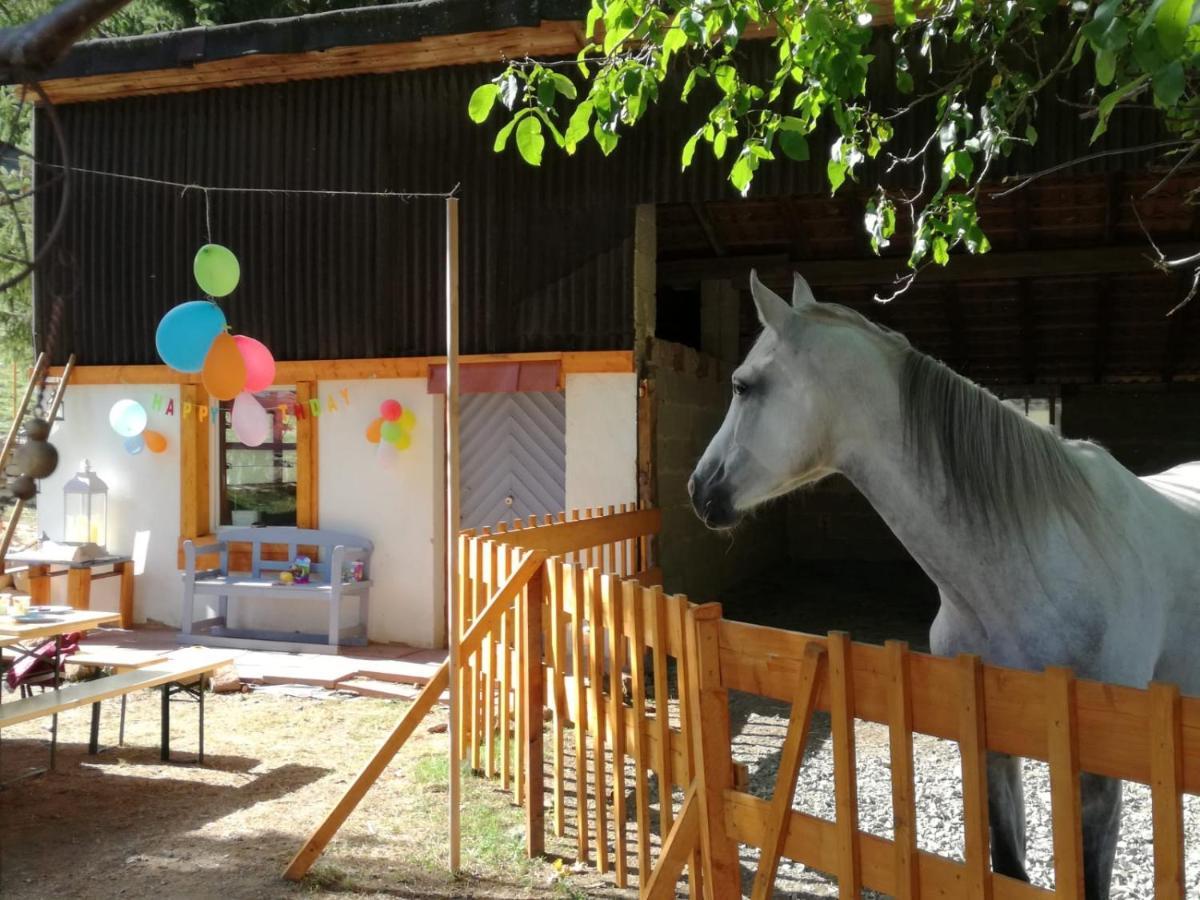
x=85, y=508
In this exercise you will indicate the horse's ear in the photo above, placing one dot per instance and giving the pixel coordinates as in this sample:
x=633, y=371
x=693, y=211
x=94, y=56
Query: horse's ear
x=773, y=310
x=802, y=294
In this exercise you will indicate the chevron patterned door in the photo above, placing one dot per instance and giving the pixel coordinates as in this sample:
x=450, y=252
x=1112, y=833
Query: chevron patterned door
x=513, y=456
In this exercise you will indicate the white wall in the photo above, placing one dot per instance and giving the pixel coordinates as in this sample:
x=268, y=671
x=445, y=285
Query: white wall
x=143, y=493
x=601, y=439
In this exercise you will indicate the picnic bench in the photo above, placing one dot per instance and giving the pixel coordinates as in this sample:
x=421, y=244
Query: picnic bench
x=330, y=551
x=184, y=671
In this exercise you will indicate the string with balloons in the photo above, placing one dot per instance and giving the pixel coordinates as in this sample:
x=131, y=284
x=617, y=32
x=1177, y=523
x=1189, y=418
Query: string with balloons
x=129, y=420
x=195, y=337
x=392, y=431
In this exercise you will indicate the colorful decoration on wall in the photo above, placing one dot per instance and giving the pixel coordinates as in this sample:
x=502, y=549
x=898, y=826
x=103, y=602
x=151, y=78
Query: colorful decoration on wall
x=224, y=374
x=251, y=423
x=129, y=420
x=260, y=364
x=217, y=270
x=392, y=431
x=186, y=333
x=312, y=408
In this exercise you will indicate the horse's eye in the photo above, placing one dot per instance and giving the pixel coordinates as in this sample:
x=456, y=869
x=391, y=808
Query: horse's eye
x=739, y=388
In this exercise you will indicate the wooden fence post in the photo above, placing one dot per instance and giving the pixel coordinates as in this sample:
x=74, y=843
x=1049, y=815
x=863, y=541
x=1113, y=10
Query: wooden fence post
x=1166, y=790
x=533, y=695
x=712, y=744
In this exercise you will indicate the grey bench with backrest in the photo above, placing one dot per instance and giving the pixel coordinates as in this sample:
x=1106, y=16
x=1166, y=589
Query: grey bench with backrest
x=327, y=585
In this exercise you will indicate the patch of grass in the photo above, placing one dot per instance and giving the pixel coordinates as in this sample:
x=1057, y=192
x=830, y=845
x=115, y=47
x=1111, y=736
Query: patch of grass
x=433, y=768
x=324, y=877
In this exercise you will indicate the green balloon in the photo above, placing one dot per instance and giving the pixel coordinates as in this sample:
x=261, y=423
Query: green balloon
x=391, y=431
x=216, y=270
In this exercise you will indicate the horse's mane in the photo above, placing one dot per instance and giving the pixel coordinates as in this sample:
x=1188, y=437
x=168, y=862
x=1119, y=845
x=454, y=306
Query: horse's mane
x=1004, y=472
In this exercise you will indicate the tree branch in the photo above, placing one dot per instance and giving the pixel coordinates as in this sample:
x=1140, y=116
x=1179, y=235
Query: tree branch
x=28, y=50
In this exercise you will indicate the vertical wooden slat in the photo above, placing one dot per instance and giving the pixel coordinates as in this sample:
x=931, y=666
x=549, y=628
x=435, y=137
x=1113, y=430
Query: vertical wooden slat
x=194, y=517
x=596, y=677
x=799, y=720
x=845, y=776
x=662, y=712
x=463, y=675
x=1166, y=790
x=574, y=556
x=558, y=655
x=611, y=549
x=533, y=699
x=972, y=742
x=678, y=846
x=677, y=606
x=904, y=802
x=1062, y=750
x=491, y=556
x=505, y=661
x=307, y=466
x=634, y=600
x=613, y=597
x=574, y=584
x=477, y=664
x=520, y=702
x=711, y=741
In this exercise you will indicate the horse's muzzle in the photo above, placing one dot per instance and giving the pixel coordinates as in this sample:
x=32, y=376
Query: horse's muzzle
x=712, y=501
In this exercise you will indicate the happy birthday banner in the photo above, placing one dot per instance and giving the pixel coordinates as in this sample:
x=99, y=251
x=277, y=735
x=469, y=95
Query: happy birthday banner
x=296, y=409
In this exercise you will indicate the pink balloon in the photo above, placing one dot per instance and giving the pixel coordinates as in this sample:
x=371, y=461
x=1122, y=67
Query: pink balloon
x=260, y=364
x=387, y=456
x=391, y=410
x=251, y=423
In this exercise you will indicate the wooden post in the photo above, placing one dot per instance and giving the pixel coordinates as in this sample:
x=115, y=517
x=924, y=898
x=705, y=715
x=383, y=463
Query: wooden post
x=1062, y=743
x=127, y=584
x=533, y=693
x=904, y=804
x=1166, y=790
x=711, y=740
x=452, y=513
x=845, y=779
x=79, y=588
x=39, y=585
x=972, y=742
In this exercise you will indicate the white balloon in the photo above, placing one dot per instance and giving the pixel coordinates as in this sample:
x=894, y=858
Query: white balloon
x=388, y=456
x=251, y=423
x=127, y=418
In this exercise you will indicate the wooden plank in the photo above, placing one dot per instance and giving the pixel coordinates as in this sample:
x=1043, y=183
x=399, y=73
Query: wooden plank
x=490, y=562
x=558, y=650
x=194, y=517
x=307, y=466
x=596, y=679
x=711, y=741
x=662, y=718
x=972, y=743
x=799, y=721
x=634, y=602
x=574, y=590
x=506, y=668
x=845, y=779
x=1065, y=802
x=587, y=533
x=1166, y=791
x=292, y=372
x=678, y=847
x=614, y=625
x=520, y=700
x=324, y=832
x=463, y=711
x=813, y=842
x=79, y=588
x=533, y=699
x=125, y=605
x=678, y=631
x=39, y=584
x=904, y=803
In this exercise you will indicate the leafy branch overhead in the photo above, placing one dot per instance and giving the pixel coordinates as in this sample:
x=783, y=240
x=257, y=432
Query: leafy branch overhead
x=971, y=74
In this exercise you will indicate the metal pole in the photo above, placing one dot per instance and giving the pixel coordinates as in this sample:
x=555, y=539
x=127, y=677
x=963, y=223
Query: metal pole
x=452, y=515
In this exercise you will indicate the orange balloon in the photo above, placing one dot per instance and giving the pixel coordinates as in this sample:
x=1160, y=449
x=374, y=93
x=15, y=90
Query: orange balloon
x=373, y=431
x=155, y=442
x=224, y=373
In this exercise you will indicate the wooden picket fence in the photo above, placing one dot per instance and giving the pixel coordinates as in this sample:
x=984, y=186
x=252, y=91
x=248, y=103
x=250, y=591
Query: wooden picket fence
x=557, y=613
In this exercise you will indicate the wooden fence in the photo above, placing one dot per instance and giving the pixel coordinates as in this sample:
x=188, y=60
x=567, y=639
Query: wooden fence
x=553, y=618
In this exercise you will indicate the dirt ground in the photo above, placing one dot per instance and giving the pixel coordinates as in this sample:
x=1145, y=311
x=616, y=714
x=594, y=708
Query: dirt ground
x=124, y=825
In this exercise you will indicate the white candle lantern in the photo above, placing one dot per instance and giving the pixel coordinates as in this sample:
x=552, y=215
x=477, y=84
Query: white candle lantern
x=85, y=508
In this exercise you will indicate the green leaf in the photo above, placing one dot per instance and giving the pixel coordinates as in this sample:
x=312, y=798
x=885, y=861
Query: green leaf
x=510, y=90
x=482, y=101
x=563, y=85
x=941, y=250
x=719, y=143
x=530, y=140
x=1171, y=24
x=792, y=140
x=1110, y=101
x=546, y=92
x=689, y=150
x=726, y=78
x=502, y=136
x=964, y=165
x=605, y=138
x=904, y=82
x=1169, y=83
x=1106, y=67
x=577, y=127
x=742, y=172
x=905, y=11
x=1031, y=134
x=835, y=170
x=673, y=40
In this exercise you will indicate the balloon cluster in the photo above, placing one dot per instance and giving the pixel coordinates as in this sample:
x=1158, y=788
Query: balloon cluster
x=34, y=459
x=392, y=431
x=194, y=337
x=128, y=419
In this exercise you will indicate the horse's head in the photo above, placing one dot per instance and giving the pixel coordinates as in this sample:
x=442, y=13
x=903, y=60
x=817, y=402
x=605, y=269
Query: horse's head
x=786, y=425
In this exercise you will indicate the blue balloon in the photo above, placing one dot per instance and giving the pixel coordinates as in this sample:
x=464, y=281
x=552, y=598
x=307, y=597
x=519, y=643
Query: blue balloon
x=186, y=333
x=135, y=445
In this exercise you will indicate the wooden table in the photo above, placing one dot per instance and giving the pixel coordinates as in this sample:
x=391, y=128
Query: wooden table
x=62, y=623
x=80, y=576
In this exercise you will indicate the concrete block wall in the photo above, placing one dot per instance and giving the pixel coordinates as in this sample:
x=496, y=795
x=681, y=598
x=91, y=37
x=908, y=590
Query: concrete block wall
x=691, y=396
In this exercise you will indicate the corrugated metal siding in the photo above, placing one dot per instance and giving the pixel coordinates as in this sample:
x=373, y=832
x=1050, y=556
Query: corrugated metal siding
x=546, y=254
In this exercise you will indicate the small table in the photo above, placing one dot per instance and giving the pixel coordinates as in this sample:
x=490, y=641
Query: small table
x=80, y=576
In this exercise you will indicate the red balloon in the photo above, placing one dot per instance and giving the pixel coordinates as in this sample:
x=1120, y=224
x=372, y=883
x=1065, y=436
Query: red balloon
x=391, y=410
x=260, y=364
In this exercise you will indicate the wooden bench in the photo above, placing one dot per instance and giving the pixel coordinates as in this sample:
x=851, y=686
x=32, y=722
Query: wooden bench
x=176, y=674
x=119, y=660
x=330, y=551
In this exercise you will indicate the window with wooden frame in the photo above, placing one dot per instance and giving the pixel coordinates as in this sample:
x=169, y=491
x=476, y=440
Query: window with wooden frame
x=257, y=485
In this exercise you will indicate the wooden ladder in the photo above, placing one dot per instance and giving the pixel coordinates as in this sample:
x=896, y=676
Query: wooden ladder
x=38, y=376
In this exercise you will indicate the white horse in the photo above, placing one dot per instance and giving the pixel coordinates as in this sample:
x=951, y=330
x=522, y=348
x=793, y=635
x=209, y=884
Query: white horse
x=1044, y=551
